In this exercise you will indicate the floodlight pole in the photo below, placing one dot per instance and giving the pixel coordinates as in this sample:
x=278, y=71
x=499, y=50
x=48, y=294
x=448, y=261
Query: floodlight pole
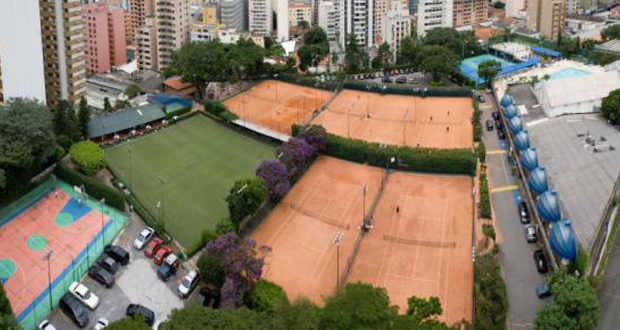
x=405, y=127
x=364, y=190
x=163, y=192
x=101, y=203
x=336, y=241
x=47, y=257
x=130, y=152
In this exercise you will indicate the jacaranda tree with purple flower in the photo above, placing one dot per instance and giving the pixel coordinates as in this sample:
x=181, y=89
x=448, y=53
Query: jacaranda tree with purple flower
x=316, y=137
x=274, y=173
x=294, y=154
x=242, y=261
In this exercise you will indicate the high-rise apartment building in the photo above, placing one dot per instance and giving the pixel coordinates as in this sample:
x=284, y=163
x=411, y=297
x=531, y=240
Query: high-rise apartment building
x=513, y=7
x=327, y=19
x=140, y=10
x=146, y=44
x=260, y=17
x=380, y=11
x=232, y=13
x=469, y=12
x=433, y=14
x=282, y=15
x=358, y=19
x=172, y=20
x=129, y=31
x=413, y=7
x=547, y=17
x=396, y=27
x=104, y=37
x=1, y=92
x=572, y=7
x=298, y=12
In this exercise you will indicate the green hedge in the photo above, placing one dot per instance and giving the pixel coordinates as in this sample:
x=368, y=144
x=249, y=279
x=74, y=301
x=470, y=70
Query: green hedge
x=407, y=90
x=482, y=152
x=93, y=187
x=219, y=110
x=491, y=297
x=447, y=161
x=265, y=297
x=485, y=200
x=477, y=122
x=177, y=112
x=88, y=156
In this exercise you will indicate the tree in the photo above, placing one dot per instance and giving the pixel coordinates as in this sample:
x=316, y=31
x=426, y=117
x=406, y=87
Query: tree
x=552, y=317
x=89, y=157
x=409, y=49
x=304, y=25
x=611, y=32
x=225, y=226
x=357, y=306
x=107, y=107
x=242, y=262
x=384, y=55
x=439, y=61
x=84, y=117
x=462, y=44
x=610, y=107
x=422, y=309
x=7, y=319
x=128, y=324
x=490, y=292
x=2, y=179
x=275, y=176
x=294, y=153
x=353, y=59
x=245, y=197
x=315, y=48
x=196, y=317
x=301, y=314
x=316, y=138
x=210, y=270
x=577, y=299
x=199, y=63
x=132, y=91
x=266, y=297
x=5, y=305
x=487, y=70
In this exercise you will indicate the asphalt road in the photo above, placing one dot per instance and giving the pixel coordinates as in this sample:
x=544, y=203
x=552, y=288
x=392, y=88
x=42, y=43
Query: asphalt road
x=518, y=268
x=609, y=292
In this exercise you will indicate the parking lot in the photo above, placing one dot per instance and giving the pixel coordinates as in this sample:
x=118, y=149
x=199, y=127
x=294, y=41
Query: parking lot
x=136, y=282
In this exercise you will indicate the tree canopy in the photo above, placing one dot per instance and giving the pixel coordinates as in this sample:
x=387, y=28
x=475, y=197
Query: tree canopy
x=440, y=61
x=462, y=44
x=245, y=197
x=610, y=107
x=315, y=48
x=355, y=58
x=487, y=70
x=128, y=324
x=611, y=32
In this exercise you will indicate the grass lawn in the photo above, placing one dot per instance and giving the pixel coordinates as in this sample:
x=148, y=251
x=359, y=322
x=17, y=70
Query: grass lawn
x=199, y=160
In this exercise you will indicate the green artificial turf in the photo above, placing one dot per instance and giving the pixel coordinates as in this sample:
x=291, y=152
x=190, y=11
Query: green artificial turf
x=199, y=160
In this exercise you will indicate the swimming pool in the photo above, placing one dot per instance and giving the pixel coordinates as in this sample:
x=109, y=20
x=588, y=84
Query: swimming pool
x=569, y=73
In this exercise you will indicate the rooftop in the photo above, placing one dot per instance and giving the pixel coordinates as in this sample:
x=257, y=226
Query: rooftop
x=124, y=119
x=611, y=46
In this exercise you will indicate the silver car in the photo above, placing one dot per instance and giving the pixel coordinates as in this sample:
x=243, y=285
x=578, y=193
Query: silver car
x=145, y=236
x=188, y=284
x=530, y=233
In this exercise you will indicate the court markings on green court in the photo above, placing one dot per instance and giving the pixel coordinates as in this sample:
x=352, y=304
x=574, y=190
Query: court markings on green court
x=36, y=242
x=7, y=269
x=63, y=219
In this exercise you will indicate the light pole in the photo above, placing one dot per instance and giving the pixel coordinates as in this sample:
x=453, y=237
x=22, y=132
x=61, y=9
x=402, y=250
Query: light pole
x=161, y=204
x=47, y=257
x=336, y=241
x=349, y=123
x=101, y=203
x=130, y=152
x=365, y=225
x=405, y=127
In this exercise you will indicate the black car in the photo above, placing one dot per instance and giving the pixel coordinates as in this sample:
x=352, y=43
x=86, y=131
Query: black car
x=489, y=125
x=524, y=214
x=499, y=124
x=495, y=115
x=117, y=253
x=212, y=298
x=74, y=309
x=108, y=264
x=481, y=99
x=134, y=310
x=101, y=275
x=541, y=262
x=500, y=134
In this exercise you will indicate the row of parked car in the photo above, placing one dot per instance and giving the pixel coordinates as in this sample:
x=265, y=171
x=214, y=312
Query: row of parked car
x=542, y=290
x=379, y=74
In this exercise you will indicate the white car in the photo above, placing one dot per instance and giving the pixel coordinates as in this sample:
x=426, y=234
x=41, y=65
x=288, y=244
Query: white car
x=86, y=297
x=188, y=284
x=101, y=324
x=145, y=236
x=46, y=325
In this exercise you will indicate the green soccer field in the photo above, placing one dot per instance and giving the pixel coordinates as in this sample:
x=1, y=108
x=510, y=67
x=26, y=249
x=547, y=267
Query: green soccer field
x=198, y=161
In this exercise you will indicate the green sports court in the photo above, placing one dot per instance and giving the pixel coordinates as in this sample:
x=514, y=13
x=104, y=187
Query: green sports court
x=183, y=173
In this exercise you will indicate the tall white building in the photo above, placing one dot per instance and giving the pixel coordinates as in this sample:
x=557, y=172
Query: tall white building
x=396, y=26
x=283, y=19
x=146, y=43
x=433, y=14
x=572, y=7
x=513, y=7
x=380, y=10
x=172, y=19
x=327, y=19
x=358, y=17
x=232, y=14
x=260, y=17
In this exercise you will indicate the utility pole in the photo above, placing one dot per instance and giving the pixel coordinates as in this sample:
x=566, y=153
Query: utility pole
x=336, y=241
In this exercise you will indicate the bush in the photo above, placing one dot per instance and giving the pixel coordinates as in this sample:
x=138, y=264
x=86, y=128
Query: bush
x=219, y=110
x=93, y=187
x=89, y=157
x=482, y=152
x=245, y=198
x=265, y=296
x=477, y=123
x=488, y=231
x=225, y=226
x=485, y=199
x=207, y=236
x=210, y=270
x=490, y=293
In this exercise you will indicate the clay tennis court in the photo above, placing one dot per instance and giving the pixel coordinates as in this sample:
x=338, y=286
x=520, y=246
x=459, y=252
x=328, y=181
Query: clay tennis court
x=301, y=229
x=424, y=249
x=432, y=122
x=277, y=105
x=55, y=222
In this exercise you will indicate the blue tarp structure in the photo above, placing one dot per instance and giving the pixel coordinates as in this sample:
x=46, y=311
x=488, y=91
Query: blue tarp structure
x=537, y=180
x=522, y=140
x=519, y=66
x=548, y=206
x=510, y=111
x=562, y=240
x=515, y=125
x=546, y=51
x=529, y=159
x=469, y=66
x=506, y=100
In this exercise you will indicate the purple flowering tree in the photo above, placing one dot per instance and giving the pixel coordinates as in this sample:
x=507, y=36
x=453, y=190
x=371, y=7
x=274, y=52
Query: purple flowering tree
x=294, y=154
x=242, y=261
x=316, y=137
x=274, y=173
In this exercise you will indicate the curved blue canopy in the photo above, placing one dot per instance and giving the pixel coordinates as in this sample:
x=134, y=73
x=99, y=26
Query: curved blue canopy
x=537, y=181
x=515, y=125
x=506, y=100
x=521, y=140
x=529, y=159
x=562, y=240
x=548, y=206
x=510, y=111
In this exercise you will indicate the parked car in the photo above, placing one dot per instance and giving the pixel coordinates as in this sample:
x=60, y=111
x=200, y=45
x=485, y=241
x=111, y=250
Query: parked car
x=101, y=324
x=134, y=310
x=46, y=325
x=500, y=134
x=107, y=263
x=212, y=297
x=499, y=124
x=144, y=237
x=524, y=214
x=495, y=115
x=541, y=262
x=161, y=254
x=481, y=99
x=86, y=297
x=117, y=253
x=101, y=275
x=489, y=125
x=530, y=233
x=168, y=267
x=188, y=284
x=543, y=290
x=72, y=307
x=401, y=80
x=152, y=247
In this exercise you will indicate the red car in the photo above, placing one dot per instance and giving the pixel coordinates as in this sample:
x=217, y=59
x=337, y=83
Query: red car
x=161, y=253
x=152, y=246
